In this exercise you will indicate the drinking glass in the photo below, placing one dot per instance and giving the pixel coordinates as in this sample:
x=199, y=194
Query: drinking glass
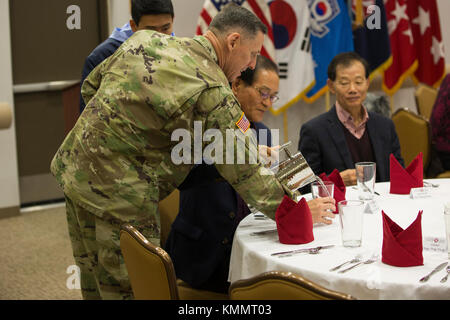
x=322, y=189
x=365, y=178
x=351, y=218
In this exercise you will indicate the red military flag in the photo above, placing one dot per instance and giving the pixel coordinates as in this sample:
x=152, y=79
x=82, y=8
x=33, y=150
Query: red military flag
x=258, y=7
x=426, y=30
x=404, y=58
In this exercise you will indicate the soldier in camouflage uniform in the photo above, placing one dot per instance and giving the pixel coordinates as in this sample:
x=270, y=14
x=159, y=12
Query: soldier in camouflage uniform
x=115, y=165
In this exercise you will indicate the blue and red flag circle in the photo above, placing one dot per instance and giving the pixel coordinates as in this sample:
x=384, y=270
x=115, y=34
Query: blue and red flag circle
x=322, y=12
x=284, y=23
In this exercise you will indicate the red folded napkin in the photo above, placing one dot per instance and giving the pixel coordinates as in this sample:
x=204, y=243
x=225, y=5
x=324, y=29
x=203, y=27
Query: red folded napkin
x=339, y=186
x=402, y=180
x=402, y=248
x=294, y=222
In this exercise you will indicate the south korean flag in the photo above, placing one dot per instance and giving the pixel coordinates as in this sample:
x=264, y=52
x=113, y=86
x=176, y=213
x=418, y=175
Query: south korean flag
x=290, y=24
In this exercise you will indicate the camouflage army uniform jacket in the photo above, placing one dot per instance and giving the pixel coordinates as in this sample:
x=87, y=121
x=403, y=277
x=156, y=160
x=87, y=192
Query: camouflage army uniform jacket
x=116, y=161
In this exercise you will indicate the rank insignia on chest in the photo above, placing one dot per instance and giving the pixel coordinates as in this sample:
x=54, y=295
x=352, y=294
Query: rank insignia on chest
x=243, y=124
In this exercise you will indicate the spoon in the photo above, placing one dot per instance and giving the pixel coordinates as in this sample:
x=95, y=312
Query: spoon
x=434, y=185
x=446, y=276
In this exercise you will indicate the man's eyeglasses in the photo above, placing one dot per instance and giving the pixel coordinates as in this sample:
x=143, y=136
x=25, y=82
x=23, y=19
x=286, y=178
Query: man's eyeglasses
x=266, y=95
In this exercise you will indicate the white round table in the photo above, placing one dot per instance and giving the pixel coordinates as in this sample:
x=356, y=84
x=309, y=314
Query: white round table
x=251, y=254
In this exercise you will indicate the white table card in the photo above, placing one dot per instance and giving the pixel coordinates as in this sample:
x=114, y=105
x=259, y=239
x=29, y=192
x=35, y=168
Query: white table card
x=435, y=244
x=371, y=207
x=417, y=193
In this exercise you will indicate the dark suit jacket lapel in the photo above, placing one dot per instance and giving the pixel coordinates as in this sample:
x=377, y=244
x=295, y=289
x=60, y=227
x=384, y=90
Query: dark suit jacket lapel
x=377, y=147
x=260, y=126
x=337, y=135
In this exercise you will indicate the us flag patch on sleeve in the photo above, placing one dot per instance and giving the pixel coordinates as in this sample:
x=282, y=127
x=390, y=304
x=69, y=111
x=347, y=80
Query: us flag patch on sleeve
x=243, y=124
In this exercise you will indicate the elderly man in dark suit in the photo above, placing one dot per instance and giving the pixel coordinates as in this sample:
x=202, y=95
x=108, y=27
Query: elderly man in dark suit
x=348, y=133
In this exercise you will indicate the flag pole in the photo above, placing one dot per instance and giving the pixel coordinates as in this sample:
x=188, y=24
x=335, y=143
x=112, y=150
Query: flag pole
x=285, y=126
x=359, y=13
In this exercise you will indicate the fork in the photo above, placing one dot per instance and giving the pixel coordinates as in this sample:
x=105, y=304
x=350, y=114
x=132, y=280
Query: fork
x=369, y=261
x=446, y=276
x=356, y=259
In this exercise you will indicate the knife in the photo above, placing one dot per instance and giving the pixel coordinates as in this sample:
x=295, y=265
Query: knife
x=438, y=268
x=260, y=233
x=366, y=188
x=301, y=250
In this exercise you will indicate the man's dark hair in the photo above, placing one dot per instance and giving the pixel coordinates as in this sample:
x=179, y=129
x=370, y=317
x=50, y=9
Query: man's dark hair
x=234, y=16
x=262, y=63
x=345, y=59
x=141, y=8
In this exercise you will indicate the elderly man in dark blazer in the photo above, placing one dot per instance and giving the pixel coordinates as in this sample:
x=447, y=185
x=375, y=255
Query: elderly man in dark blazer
x=348, y=133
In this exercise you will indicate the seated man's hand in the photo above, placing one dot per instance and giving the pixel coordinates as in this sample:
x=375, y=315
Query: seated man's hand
x=349, y=177
x=320, y=209
x=268, y=156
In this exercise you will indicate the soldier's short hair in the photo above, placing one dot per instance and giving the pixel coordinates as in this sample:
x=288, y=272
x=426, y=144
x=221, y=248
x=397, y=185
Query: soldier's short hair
x=233, y=16
x=346, y=59
x=262, y=63
x=141, y=8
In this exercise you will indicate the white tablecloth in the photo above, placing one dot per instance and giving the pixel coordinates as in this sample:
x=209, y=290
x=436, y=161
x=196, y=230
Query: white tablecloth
x=251, y=253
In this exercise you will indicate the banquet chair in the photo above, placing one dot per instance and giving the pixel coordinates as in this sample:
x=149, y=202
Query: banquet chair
x=168, y=210
x=151, y=271
x=443, y=175
x=414, y=134
x=277, y=285
x=425, y=97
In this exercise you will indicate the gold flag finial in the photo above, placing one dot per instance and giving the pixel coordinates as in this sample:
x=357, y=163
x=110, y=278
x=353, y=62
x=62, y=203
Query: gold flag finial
x=359, y=14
